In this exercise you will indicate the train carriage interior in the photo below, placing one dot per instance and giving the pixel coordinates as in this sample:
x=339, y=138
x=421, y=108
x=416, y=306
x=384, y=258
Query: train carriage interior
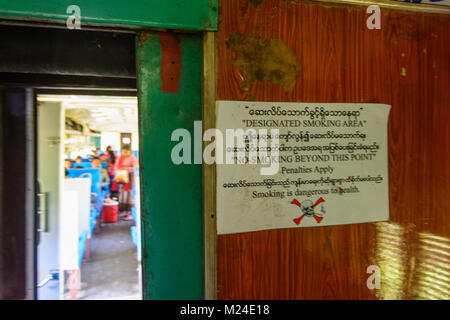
x=89, y=235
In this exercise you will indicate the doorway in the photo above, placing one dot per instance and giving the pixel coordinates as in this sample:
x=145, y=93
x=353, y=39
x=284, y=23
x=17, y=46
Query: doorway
x=90, y=219
x=117, y=63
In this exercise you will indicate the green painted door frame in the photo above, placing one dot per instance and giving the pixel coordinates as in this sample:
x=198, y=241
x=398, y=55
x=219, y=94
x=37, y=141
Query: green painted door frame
x=171, y=195
x=170, y=14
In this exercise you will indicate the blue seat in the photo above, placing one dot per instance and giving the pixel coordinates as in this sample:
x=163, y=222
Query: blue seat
x=134, y=238
x=136, y=172
x=133, y=231
x=82, y=246
x=95, y=213
x=106, y=190
x=92, y=173
x=93, y=216
x=82, y=164
x=133, y=192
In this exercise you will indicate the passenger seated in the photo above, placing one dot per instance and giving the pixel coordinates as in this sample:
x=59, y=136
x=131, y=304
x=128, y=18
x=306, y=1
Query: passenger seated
x=78, y=159
x=104, y=177
x=67, y=165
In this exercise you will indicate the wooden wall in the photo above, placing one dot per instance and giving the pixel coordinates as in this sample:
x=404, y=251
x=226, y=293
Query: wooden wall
x=404, y=64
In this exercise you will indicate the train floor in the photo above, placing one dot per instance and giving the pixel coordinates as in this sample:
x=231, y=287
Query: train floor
x=112, y=271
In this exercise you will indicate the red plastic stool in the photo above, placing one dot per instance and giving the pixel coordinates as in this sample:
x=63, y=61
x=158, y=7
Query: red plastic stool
x=110, y=211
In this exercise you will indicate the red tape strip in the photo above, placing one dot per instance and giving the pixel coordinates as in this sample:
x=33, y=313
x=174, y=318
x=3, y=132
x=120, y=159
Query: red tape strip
x=170, y=62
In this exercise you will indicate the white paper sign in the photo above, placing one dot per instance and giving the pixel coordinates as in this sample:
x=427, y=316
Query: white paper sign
x=332, y=166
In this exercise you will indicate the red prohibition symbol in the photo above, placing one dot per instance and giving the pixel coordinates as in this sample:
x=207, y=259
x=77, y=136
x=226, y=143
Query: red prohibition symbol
x=308, y=209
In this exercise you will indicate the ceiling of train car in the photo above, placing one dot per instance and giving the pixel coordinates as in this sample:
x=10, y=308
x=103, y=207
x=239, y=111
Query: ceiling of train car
x=100, y=113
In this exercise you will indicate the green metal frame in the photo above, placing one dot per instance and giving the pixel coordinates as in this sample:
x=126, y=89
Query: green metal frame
x=171, y=201
x=170, y=14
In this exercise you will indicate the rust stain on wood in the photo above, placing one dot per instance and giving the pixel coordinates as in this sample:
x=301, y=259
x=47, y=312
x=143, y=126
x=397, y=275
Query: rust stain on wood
x=269, y=60
x=406, y=27
x=255, y=3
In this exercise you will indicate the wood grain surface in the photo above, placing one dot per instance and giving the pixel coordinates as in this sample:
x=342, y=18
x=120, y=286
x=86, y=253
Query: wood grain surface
x=404, y=64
